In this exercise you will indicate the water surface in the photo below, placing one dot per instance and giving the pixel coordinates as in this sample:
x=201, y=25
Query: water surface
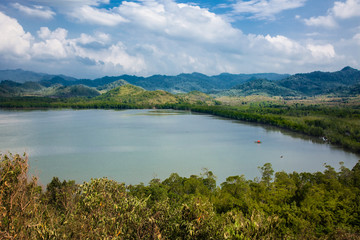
x=134, y=146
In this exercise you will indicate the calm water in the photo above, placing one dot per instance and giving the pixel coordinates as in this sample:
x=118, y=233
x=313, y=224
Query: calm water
x=135, y=146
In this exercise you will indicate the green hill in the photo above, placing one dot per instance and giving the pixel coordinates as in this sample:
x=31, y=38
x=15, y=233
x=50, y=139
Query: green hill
x=75, y=91
x=184, y=82
x=340, y=83
x=199, y=98
x=11, y=89
x=258, y=87
x=130, y=94
x=14, y=89
x=317, y=83
x=112, y=85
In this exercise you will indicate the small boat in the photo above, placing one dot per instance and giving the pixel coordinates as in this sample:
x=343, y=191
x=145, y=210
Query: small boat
x=258, y=141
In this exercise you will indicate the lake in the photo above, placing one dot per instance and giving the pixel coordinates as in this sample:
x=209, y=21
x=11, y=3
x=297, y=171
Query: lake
x=134, y=146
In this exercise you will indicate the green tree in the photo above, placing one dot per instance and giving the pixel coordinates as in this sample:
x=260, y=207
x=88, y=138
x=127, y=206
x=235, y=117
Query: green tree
x=266, y=173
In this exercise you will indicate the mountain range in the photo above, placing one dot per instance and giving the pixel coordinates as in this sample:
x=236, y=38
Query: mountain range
x=26, y=83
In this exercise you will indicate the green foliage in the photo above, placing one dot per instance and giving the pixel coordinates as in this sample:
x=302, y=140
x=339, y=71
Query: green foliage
x=266, y=173
x=320, y=205
x=112, y=85
x=13, y=89
x=317, y=83
x=258, y=87
x=130, y=94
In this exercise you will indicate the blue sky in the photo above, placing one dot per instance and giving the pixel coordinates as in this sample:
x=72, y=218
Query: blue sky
x=92, y=38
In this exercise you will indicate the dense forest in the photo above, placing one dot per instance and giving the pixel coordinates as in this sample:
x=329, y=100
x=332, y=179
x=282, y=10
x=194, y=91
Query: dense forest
x=320, y=205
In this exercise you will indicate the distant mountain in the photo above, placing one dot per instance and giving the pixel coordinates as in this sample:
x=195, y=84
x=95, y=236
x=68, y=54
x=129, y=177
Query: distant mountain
x=195, y=81
x=317, y=83
x=259, y=87
x=22, y=76
x=112, y=85
x=341, y=82
x=175, y=84
x=344, y=82
x=14, y=89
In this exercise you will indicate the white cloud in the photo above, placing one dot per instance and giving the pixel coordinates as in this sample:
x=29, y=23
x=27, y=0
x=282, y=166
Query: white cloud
x=265, y=9
x=71, y=4
x=88, y=14
x=50, y=48
x=55, y=44
x=13, y=39
x=168, y=38
x=117, y=55
x=342, y=10
x=321, y=21
x=348, y=9
x=36, y=11
x=86, y=11
x=278, y=46
x=101, y=38
x=181, y=21
x=357, y=38
x=59, y=33
x=320, y=52
x=284, y=44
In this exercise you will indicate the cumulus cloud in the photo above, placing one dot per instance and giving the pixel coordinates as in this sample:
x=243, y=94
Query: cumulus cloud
x=55, y=44
x=320, y=52
x=88, y=14
x=59, y=33
x=71, y=4
x=98, y=37
x=36, y=11
x=13, y=39
x=115, y=56
x=340, y=10
x=86, y=11
x=321, y=21
x=348, y=9
x=168, y=38
x=180, y=21
x=265, y=9
x=357, y=38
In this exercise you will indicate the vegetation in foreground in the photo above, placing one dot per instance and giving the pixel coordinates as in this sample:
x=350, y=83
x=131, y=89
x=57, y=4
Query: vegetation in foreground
x=321, y=205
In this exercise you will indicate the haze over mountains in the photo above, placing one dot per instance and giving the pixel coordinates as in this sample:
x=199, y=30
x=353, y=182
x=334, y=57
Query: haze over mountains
x=26, y=83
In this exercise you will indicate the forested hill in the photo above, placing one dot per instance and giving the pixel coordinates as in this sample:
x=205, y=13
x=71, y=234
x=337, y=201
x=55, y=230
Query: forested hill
x=180, y=83
x=343, y=82
x=21, y=76
x=316, y=83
